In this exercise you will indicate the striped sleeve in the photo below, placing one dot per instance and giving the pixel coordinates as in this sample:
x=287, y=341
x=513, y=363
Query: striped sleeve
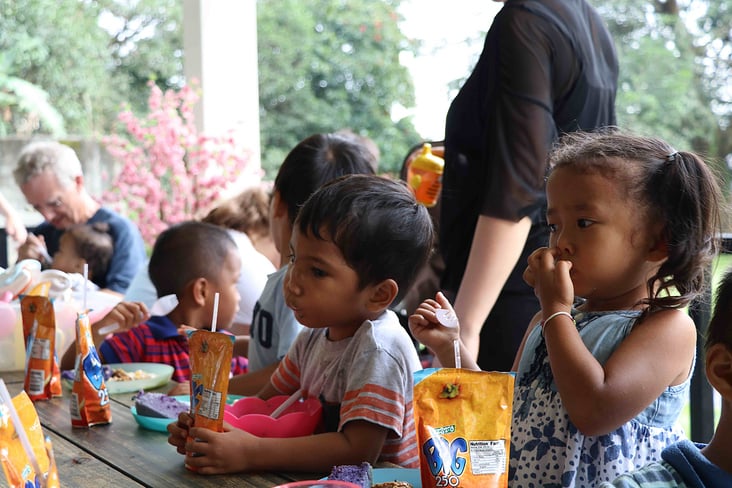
x=387, y=408
x=286, y=378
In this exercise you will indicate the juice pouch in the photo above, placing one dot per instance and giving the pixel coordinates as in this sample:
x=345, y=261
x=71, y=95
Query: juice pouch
x=89, y=403
x=463, y=421
x=42, y=374
x=210, y=357
x=20, y=470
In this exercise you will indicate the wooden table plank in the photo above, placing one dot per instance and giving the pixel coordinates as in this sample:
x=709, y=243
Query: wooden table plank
x=127, y=449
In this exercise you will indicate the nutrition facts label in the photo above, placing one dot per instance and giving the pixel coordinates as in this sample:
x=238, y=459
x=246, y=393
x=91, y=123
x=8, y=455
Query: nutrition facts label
x=41, y=349
x=488, y=457
x=210, y=405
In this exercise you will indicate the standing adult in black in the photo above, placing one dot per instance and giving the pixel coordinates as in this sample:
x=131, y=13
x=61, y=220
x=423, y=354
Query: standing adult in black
x=548, y=67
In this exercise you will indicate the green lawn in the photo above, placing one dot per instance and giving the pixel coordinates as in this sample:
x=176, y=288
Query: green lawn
x=722, y=264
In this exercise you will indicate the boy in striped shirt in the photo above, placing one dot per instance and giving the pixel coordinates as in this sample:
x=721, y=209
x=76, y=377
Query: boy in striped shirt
x=357, y=242
x=194, y=261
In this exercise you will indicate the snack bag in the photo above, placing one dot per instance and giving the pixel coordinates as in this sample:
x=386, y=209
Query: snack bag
x=20, y=468
x=210, y=357
x=42, y=374
x=463, y=422
x=89, y=403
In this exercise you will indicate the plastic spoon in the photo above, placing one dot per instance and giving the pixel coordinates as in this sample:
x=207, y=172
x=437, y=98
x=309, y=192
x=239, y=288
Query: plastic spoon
x=162, y=306
x=446, y=317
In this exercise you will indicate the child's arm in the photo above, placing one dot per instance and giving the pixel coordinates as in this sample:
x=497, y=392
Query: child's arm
x=599, y=398
x=125, y=315
x=252, y=382
x=438, y=338
x=520, y=350
x=236, y=451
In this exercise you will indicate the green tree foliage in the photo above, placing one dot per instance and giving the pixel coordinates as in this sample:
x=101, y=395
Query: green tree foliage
x=326, y=65
x=672, y=70
x=90, y=57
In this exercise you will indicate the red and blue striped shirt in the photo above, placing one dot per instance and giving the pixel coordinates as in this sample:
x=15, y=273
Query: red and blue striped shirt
x=157, y=341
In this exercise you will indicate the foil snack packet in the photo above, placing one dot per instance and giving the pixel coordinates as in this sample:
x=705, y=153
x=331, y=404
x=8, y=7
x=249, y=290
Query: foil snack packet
x=89, y=403
x=463, y=422
x=42, y=374
x=31, y=464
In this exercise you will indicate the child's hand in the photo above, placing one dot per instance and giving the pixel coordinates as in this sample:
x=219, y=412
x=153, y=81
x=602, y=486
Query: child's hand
x=183, y=330
x=126, y=315
x=549, y=276
x=427, y=328
x=220, y=452
x=183, y=388
x=179, y=431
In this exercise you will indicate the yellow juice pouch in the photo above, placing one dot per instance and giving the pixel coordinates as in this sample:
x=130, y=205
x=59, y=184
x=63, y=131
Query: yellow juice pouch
x=89, y=403
x=210, y=357
x=20, y=470
x=463, y=422
x=42, y=374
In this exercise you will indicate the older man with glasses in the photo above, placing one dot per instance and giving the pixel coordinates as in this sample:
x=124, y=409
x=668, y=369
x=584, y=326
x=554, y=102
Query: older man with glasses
x=49, y=175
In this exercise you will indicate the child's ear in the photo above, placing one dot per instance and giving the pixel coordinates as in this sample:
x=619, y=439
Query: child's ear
x=719, y=370
x=279, y=207
x=659, y=247
x=200, y=288
x=382, y=295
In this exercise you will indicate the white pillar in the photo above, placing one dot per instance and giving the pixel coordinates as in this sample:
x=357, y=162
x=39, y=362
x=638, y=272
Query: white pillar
x=220, y=51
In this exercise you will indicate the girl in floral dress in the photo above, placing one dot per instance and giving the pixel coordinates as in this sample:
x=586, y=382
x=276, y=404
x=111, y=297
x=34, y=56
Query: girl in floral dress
x=604, y=371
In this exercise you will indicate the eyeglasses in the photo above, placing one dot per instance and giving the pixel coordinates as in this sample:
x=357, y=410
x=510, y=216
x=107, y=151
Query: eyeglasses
x=53, y=205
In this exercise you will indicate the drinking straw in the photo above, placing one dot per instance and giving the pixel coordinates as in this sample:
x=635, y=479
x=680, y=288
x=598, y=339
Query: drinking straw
x=286, y=404
x=86, y=285
x=215, y=312
x=456, y=347
x=19, y=430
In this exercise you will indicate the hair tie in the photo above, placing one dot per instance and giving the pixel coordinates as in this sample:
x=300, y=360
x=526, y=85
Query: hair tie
x=671, y=158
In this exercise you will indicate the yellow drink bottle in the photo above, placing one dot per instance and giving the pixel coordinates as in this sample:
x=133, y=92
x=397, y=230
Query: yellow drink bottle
x=424, y=176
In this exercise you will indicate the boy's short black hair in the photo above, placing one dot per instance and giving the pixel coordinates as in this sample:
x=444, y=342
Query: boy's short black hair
x=188, y=251
x=315, y=161
x=720, y=326
x=376, y=223
x=93, y=243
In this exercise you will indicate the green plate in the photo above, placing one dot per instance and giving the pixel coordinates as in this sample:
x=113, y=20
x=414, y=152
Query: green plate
x=161, y=374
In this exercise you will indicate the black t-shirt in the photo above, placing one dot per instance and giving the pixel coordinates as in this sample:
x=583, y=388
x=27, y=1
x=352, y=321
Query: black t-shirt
x=547, y=67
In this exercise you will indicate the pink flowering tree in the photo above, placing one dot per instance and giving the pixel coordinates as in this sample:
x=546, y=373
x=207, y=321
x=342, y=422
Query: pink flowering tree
x=170, y=172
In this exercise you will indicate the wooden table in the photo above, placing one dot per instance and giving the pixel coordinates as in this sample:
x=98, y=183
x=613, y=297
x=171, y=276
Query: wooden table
x=124, y=454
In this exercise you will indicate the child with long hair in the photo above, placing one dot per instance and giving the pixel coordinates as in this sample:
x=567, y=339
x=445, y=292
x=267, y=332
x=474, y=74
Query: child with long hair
x=604, y=370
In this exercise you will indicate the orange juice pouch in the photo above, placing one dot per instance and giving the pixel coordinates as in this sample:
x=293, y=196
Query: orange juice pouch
x=89, y=403
x=210, y=358
x=463, y=422
x=42, y=374
x=20, y=469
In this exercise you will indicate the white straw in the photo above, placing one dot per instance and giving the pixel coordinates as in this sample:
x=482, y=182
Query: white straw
x=286, y=404
x=215, y=312
x=19, y=430
x=456, y=347
x=86, y=285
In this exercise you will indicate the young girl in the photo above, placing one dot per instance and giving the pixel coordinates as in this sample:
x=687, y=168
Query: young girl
x=601, y=379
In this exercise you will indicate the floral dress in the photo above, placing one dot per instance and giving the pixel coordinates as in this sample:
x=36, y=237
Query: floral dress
x=547, y=450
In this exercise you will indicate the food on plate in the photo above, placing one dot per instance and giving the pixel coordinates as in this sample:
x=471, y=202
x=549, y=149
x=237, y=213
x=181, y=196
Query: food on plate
x=158, y=405
x=393, y=484
x=122, y=375
x=360, y=474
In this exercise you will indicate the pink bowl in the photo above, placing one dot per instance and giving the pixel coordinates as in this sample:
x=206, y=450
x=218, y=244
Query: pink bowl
x=252, y=414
